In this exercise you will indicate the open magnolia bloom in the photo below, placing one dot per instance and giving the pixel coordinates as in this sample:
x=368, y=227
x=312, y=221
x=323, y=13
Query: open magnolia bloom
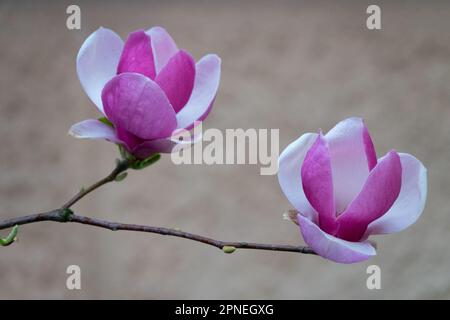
x=343, y=194
x=147, y=88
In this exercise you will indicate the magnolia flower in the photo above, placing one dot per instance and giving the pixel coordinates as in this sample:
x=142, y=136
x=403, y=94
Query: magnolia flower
x=342, y=194
x=147, y=88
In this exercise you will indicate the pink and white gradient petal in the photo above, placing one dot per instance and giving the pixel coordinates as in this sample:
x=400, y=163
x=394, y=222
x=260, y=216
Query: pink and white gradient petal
x=352, y=157
x=333, y=248
x=93, y=129
x=317, y=182
x=163, y=47
x=410, y=202
x=289, y=174
x=97, y=62
x=137, y=104
x=206, y=84
x=379, y=192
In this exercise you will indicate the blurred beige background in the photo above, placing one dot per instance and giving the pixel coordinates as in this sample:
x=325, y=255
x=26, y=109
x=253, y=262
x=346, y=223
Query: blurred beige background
x=297, y=66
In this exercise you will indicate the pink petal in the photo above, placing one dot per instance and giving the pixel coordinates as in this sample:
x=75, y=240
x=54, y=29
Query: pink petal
x=129, y=140
x=168, y=145
x=137, y=55
x=147, y=148
x=137, y=104
x=352, y=157
x=376, y=197
x=163, y=47
x=332, y=248
x=289, y=173
x=93, y=129
x=97, y=62
x=177, y=79
x=206, y=83
x=369, y=148
x=317, y=183
x=409, y=204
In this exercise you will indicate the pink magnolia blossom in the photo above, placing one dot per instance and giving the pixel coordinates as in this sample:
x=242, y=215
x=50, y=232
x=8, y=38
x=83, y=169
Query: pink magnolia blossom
x=344, y=194
x=146, y=87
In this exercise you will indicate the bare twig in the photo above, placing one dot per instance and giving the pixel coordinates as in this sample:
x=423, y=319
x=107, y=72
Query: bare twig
x=64, y=214
x=58, y=216
x=120, y=167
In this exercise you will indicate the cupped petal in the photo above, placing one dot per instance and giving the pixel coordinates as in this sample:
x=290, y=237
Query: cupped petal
x=163, y=47
x=177, y=79
x=317, y=183
x=168, y=145
x=137, y=55
x=137, y=104
x=93, y=129
x=289, y=173
x=332, y=248
x=352, y=157
x=410, y=202
x=206, y=83
x=376, y=197
x=97, y=62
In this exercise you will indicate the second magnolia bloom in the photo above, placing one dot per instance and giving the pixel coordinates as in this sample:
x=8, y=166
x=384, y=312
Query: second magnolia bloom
x=146, y=87
x=344, y=194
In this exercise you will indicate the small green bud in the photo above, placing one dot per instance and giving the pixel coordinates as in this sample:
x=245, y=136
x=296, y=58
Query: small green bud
x=229, y=249
x=121, y=176
x=12, y=236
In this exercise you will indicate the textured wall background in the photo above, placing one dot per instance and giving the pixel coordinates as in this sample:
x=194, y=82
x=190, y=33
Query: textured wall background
x=296, y=66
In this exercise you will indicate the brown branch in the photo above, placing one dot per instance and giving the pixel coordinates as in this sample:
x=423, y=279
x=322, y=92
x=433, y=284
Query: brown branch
x=120, y=167
x=64, y=214
x=60, y=216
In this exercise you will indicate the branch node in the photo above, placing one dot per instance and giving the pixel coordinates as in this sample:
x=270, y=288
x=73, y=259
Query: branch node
x=65, y=214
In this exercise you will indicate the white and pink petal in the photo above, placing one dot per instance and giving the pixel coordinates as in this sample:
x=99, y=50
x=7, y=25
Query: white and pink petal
x=93, y=129
x=289, y=174
x=377, y=196
x=206, y=84
x=333, y=248
x=352, y=157
x=97, y=62
x=163, y=47
x=410, y=202
x=317, y=183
